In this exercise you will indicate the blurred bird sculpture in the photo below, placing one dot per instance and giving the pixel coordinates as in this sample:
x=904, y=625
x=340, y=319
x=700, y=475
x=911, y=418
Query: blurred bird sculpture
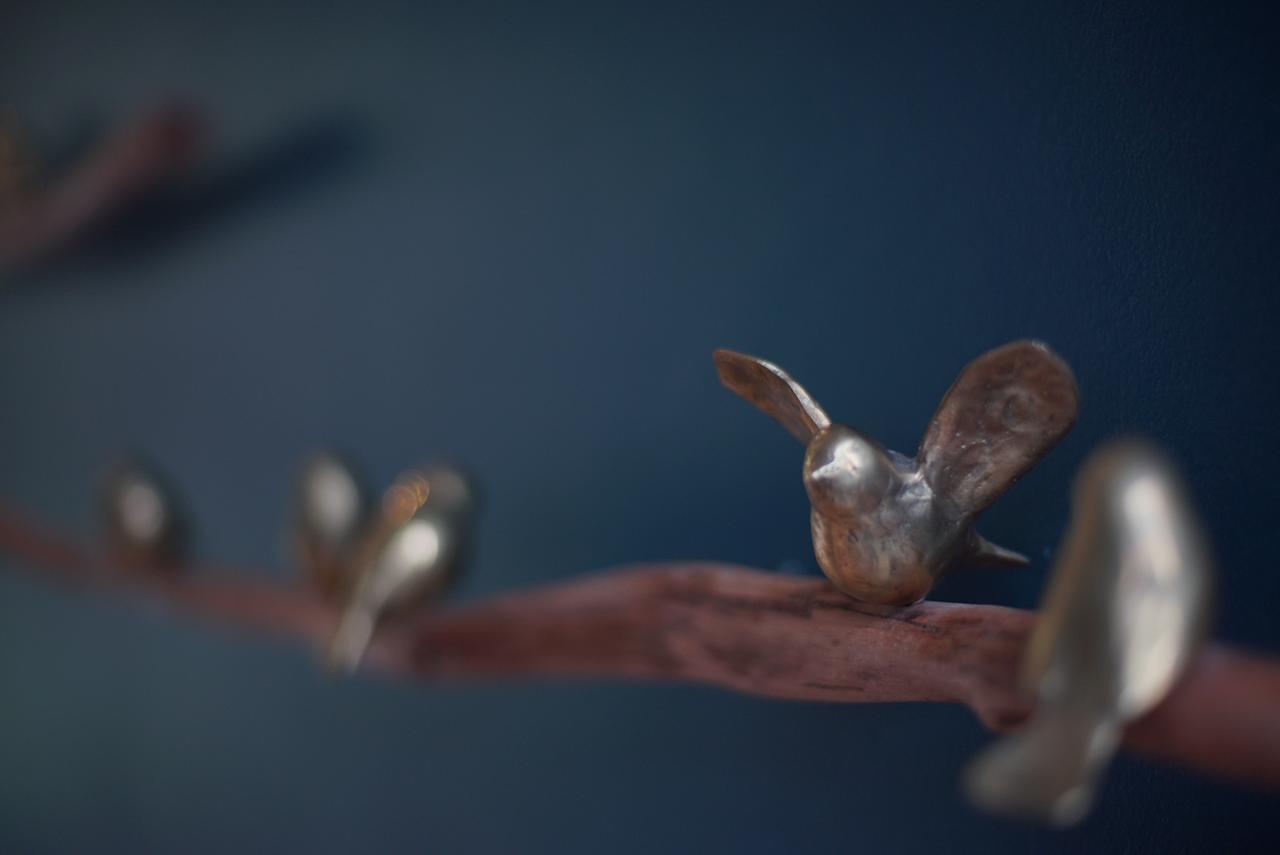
x=887, y=526
x=141, y=519
x=410, y=555
x=1126, y=606
x=332, y=511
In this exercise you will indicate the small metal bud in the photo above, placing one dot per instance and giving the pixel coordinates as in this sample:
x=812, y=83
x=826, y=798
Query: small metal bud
x=141, y=519
x=408, y=559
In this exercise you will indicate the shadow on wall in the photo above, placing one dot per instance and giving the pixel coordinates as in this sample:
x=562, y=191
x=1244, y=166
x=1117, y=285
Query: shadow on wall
x=280, y=171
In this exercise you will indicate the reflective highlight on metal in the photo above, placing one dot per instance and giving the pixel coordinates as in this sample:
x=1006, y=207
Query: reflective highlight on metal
x=1126, y=607
x=409, y=557
x=333, y=509
x=887, y=526
x=141, y=520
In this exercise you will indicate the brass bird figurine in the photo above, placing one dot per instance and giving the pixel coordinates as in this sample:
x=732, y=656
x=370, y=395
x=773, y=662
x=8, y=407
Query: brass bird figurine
x=887, y=526
x=141, y=519
x=1126, y=606
x=332, y=512
x=410, y=555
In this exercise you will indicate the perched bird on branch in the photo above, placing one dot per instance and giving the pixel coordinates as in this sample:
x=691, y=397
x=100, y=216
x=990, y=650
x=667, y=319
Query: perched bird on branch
x=887, y=526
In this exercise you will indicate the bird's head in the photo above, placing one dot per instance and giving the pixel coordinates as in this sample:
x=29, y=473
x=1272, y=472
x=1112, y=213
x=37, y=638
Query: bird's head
x=846, y=473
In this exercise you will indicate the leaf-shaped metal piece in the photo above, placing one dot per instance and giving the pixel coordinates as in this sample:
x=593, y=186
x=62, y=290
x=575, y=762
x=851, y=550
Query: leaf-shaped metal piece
x=1003, y=413
x=773, y=391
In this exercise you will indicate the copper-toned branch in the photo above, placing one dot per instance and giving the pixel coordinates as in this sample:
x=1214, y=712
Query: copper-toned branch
x=1222, y=718
x=747, y=630
x=218, y=594
x=742, y=629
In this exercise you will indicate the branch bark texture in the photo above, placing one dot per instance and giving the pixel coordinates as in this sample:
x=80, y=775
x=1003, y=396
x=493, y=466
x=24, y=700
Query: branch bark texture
x=738, y=628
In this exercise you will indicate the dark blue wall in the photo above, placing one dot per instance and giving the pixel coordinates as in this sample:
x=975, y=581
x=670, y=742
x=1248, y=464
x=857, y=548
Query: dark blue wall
x=512, y=234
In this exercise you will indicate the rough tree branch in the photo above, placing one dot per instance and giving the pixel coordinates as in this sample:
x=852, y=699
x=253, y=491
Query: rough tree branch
x=734, y=627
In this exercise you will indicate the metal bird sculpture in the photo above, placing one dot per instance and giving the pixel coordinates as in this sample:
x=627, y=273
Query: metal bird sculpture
x=1127, y=605
x=332, y=511
x=141, y=519
x=887, y=526
x=411, y=554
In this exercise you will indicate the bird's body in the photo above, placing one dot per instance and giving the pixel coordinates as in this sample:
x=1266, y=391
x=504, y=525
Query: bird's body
x=883, y=553
x=886, y=526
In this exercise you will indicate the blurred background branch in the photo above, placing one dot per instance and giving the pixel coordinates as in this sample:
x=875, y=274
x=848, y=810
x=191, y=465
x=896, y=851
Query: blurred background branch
x=41, y=214
x=150, y=180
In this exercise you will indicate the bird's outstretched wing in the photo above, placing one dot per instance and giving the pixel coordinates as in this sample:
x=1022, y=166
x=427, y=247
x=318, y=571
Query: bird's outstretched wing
x=1003, y=413
x=773, y=391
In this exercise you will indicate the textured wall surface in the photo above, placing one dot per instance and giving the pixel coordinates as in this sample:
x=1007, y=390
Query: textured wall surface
x=511, y=234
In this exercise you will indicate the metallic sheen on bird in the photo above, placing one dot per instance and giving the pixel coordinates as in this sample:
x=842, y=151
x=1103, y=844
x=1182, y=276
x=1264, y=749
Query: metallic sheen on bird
x=887, y=526
x=1127, y=606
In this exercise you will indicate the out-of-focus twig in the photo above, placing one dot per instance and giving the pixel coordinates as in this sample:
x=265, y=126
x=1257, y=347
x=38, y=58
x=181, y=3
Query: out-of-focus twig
x=41, y=216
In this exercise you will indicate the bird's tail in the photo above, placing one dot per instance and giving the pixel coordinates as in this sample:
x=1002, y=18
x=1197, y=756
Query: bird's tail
x=1047, y=771
x=352, y=639
x=984, y=553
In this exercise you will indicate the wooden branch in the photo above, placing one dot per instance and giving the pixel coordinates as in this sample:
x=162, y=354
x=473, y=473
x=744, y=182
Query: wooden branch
x=734, y=627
